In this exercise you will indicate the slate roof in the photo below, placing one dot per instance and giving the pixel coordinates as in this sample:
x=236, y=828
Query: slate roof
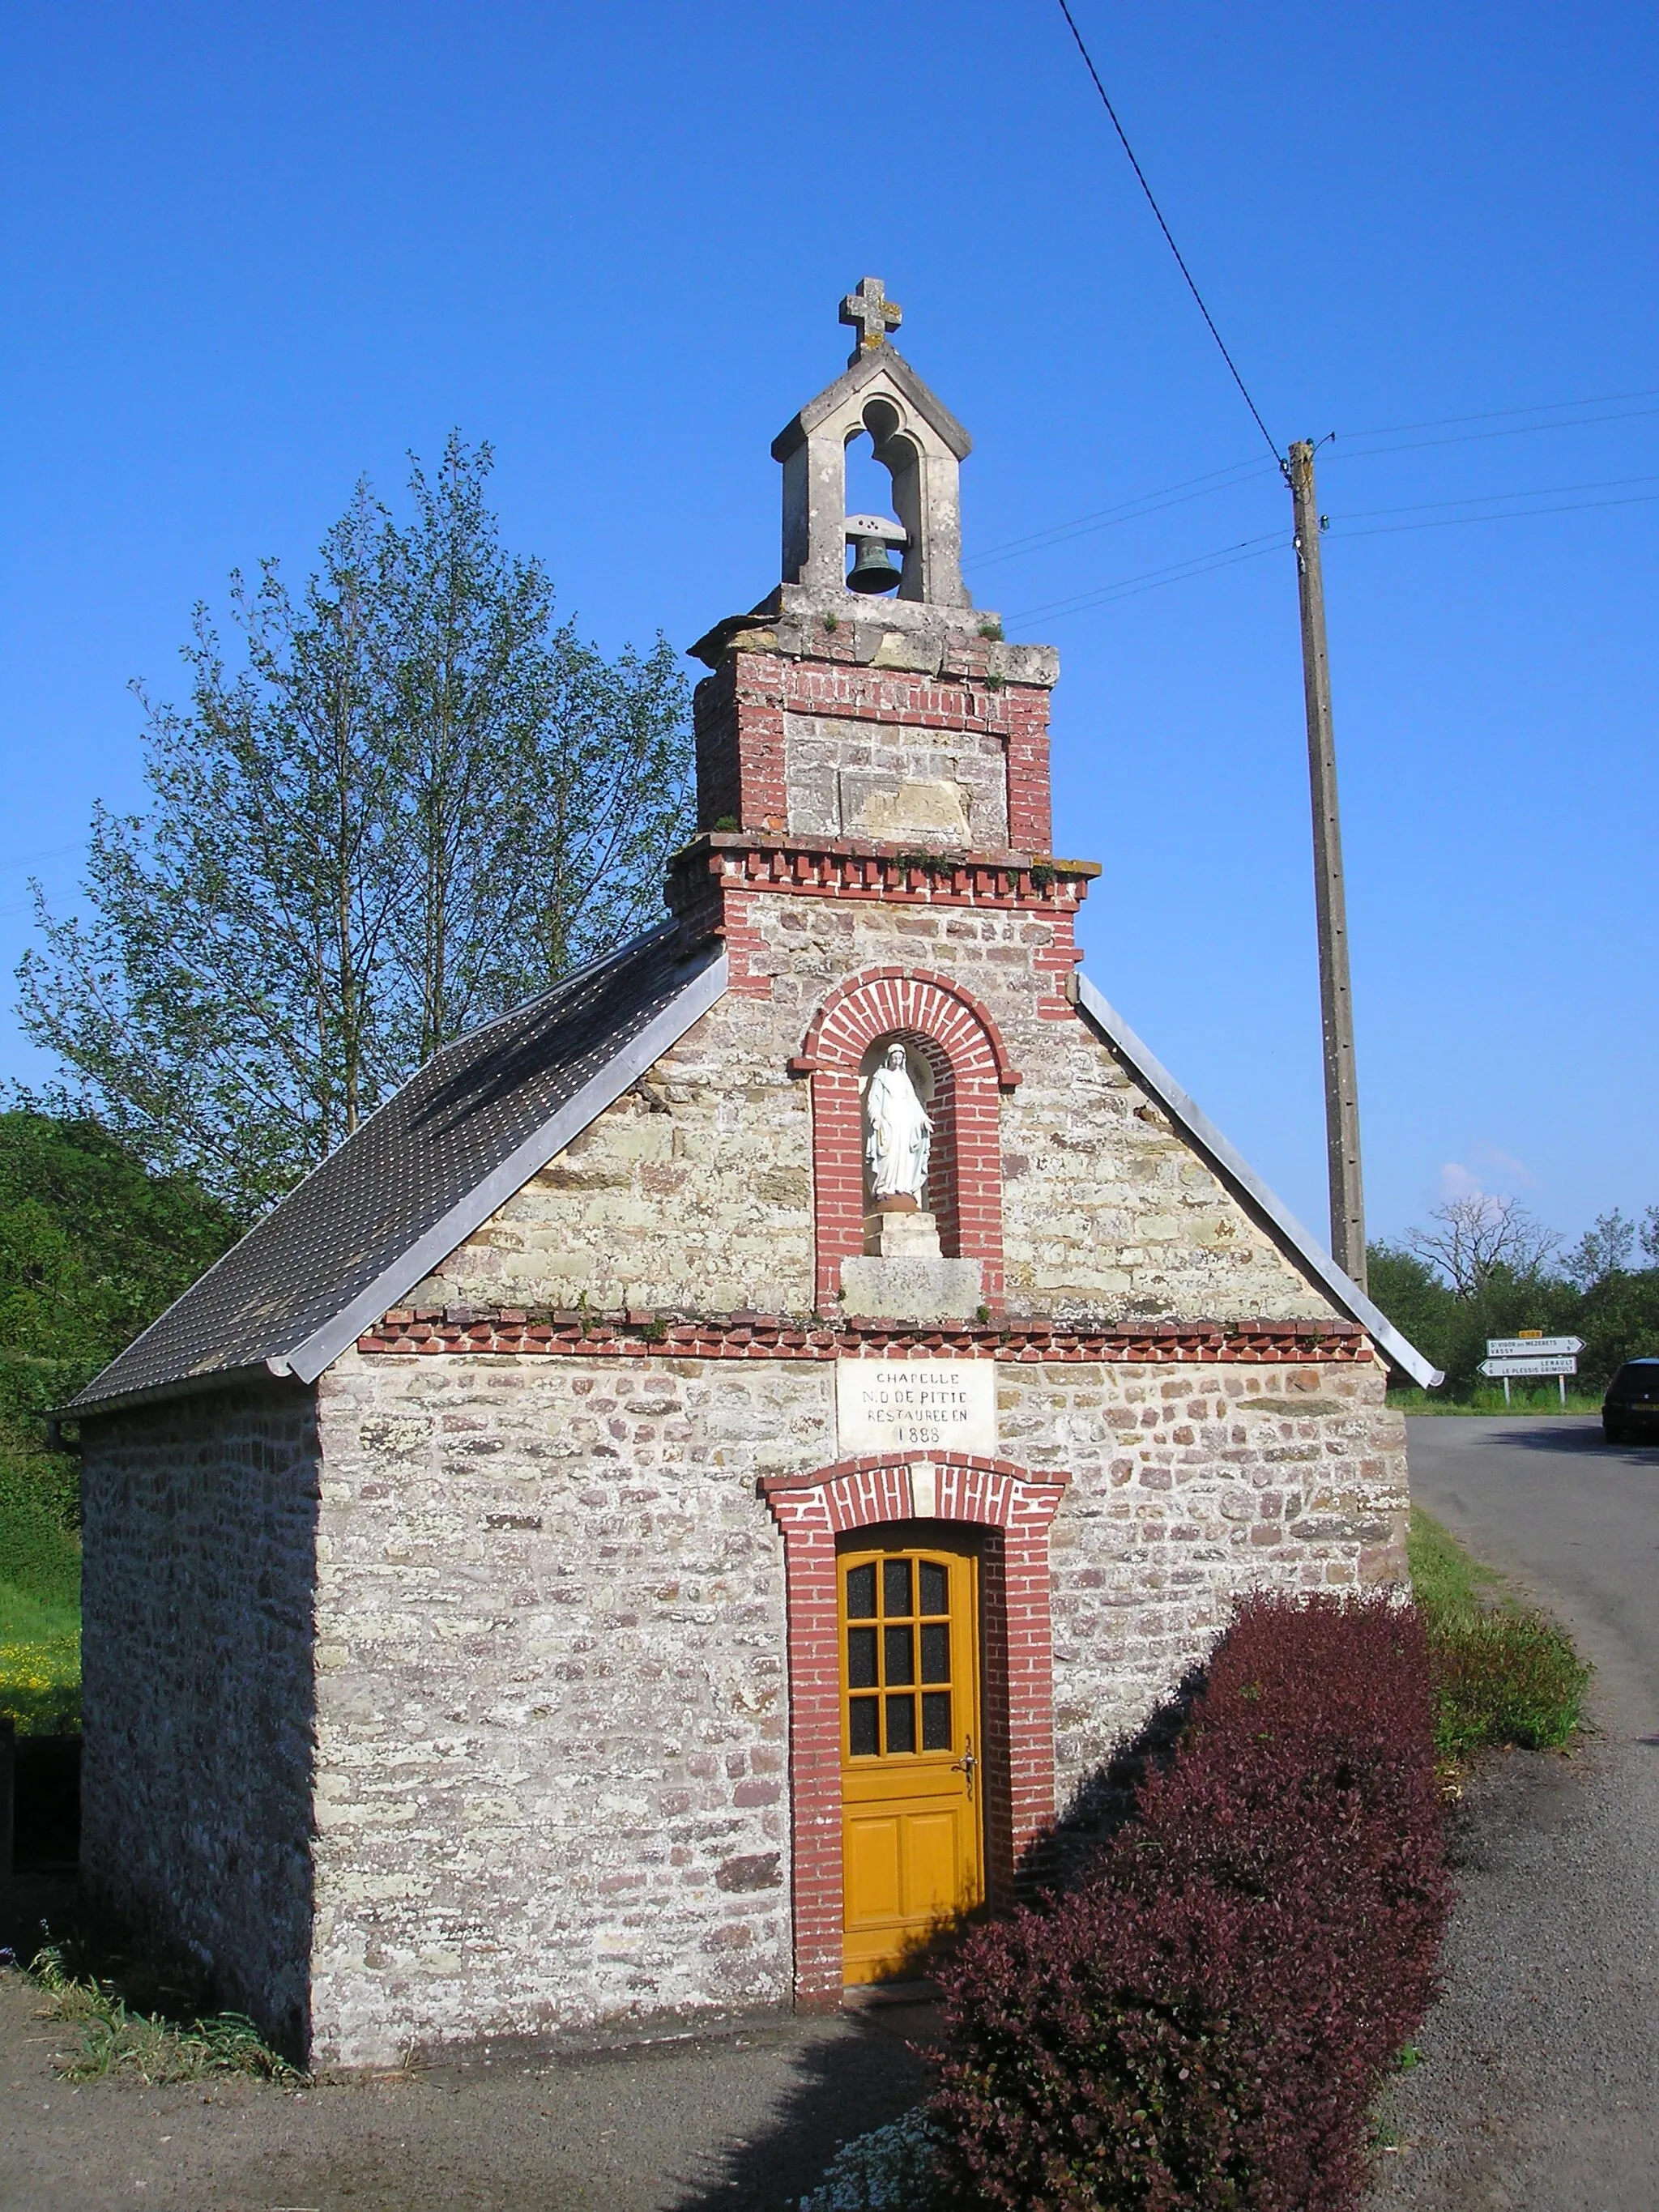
x=480, y=1118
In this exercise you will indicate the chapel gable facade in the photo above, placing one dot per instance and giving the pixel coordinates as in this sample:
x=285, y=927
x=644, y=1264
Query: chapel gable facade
x=671, y=1513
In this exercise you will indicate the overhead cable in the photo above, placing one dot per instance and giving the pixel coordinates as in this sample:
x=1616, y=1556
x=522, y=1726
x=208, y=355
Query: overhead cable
x=1169, y=234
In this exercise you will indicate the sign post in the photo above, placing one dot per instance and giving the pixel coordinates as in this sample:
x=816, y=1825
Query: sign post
x=1531, y=1354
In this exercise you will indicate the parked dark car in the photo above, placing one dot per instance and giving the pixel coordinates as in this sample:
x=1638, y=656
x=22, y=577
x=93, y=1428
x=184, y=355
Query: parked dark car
x=1631, y=1408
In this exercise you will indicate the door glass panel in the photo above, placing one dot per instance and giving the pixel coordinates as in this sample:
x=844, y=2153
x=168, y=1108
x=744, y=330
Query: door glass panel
x=861, y=1659
x=935, y=1588
x=895, y=1587
x=935, y=1650
x=936, y=1720
x=863, y=1733
x=900, y=1655
x=862, y=1592
x=901, y=1724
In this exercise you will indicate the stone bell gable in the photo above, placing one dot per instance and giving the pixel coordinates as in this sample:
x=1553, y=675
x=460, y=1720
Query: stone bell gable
x=617, y=1545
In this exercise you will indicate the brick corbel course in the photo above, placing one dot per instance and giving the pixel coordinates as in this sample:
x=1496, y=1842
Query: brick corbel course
x=563, y=1332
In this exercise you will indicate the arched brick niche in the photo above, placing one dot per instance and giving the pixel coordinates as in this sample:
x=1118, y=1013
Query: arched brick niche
x=1014, y=1507
x=971, y=1070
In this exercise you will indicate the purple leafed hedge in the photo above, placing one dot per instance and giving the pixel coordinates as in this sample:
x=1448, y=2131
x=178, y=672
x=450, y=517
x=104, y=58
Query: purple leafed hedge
x=1202, y=2019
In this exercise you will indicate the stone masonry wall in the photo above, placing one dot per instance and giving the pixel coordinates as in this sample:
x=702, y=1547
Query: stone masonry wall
x=200, y=1548
x=694, y=1190
x=552, y=1704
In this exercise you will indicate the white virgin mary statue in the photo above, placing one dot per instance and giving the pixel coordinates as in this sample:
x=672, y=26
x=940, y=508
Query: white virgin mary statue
x=901, y=1134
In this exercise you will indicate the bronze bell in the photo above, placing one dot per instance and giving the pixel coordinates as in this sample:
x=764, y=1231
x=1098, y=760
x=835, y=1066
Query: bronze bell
x=872, y=569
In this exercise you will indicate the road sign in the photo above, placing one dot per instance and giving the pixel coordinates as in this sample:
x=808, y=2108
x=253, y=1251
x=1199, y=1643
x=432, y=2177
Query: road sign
x=1565, y=1365
x=1533, y=1347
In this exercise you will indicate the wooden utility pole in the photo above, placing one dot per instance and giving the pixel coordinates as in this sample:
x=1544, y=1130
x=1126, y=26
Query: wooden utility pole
x=1335, y=996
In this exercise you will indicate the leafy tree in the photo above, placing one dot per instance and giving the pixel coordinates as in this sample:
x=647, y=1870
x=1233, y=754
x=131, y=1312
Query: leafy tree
x=1604, y=1249
x=416, y=801
x=92, y=1247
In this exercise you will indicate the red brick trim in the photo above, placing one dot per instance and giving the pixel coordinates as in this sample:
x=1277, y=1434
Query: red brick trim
x=865, y=869
x=1015, y=1506
x=970, y=1067
x=514, y=1333
x=855, y=986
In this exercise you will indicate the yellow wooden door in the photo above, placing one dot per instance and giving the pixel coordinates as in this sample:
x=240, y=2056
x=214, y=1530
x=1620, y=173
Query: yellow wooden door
x=909, y=1746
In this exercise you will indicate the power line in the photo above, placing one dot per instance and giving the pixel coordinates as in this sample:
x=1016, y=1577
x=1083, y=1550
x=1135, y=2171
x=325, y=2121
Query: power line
x=1176, y=572
x=1489, y=498
x=1496, y=414
x=1168, y=234
x=1477, y=437
x=1517, y=514
x=1129, y=510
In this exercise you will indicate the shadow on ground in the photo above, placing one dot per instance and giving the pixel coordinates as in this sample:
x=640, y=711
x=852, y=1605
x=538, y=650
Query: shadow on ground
x=1559, y=1434
x=872, y=2064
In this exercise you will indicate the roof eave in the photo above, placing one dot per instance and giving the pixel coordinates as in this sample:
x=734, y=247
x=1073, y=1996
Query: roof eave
x=1235, y=1170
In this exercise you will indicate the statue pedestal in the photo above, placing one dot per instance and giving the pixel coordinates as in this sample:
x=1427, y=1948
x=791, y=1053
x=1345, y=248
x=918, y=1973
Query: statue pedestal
x=910, y=1235
x=911, y=1288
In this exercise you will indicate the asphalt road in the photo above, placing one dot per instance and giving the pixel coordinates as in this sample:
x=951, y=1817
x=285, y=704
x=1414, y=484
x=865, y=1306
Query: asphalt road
x=1540, y=2088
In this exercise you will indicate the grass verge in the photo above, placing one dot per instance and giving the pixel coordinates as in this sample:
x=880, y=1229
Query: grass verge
x=146, y=2047
x=1503, y=1674
x=1484, y=1401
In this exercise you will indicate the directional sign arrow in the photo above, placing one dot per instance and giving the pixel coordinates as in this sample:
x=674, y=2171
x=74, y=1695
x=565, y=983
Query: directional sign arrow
x=1533, y=1347
x=1564, y=1366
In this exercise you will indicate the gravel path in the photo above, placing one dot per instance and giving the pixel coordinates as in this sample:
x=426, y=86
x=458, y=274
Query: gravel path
x=748, y=2120
x=1540, y=2088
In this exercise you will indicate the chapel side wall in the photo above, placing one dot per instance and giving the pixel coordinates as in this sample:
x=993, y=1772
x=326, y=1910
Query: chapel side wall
x=552, y=1793
x=200, y=1554
x=694, y=1192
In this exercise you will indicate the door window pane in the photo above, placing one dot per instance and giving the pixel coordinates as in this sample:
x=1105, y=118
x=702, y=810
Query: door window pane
x=900, y=1723
x=899, y=1655
x=861, y=1593
x=861, y=1729
x=936, y=1720
x=935, y=1586
x=895, y=1588
x=935, y=1651
x=861, y=1659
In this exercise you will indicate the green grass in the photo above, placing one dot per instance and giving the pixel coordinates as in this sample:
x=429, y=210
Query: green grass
x=39, y=1663
x=39, y=1587
x=1489, y=1398
x=111, y=2039
x=1503, y=1674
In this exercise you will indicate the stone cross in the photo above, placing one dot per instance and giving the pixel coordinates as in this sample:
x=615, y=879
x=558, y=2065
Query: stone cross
x=872, y=313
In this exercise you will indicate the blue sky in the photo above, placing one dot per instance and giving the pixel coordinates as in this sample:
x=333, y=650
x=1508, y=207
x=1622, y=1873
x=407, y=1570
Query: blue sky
x=250, y=253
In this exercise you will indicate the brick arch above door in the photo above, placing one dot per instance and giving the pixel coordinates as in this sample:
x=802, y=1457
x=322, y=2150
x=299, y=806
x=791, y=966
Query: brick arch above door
x=959, y=1033
x=1015, y=1506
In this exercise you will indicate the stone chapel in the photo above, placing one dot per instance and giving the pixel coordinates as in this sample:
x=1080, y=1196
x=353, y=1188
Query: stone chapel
x=664, y=1518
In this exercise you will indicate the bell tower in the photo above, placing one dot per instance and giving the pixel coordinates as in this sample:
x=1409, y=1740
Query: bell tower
x=873, y=838
x=797, y=734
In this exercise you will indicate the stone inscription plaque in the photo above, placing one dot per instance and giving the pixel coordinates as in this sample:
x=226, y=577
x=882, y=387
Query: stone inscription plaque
x=897, y=1406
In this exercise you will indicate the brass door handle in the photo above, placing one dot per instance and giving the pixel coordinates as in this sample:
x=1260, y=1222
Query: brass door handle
x=966, y=1764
